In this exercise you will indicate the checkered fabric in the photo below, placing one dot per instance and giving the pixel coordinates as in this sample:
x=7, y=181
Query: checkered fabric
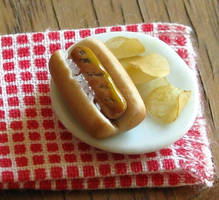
x=36, y=150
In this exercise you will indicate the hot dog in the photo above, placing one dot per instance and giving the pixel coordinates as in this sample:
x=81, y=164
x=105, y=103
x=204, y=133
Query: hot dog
x=97, y=89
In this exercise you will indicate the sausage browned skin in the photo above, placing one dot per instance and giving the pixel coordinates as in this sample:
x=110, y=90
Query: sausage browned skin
x=107, y=95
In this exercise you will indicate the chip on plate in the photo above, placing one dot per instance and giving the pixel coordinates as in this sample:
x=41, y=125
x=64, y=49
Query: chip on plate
x=166, y=102
x=123, y=47
x=146, y=88
x=146, y=68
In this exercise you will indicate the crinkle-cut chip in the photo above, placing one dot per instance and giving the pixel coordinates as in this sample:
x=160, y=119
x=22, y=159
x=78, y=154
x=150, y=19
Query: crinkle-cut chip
x=166, y=102
x=146, y=88
x=123, y=47
x=147, y=67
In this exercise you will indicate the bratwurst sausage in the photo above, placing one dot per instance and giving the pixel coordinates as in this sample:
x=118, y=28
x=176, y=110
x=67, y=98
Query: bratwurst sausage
x=107, y=96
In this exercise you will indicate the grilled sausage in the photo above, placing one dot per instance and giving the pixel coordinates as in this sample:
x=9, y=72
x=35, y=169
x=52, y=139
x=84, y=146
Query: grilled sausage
x=107, y=95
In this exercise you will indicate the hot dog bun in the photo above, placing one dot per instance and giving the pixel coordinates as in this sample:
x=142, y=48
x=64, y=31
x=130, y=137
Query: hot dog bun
x=85, y=111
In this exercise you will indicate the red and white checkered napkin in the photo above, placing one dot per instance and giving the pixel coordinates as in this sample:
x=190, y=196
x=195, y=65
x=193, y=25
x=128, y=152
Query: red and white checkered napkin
x=37, y=152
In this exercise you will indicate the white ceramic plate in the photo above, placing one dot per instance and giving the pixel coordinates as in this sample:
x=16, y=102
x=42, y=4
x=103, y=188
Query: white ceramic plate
x=149, y=135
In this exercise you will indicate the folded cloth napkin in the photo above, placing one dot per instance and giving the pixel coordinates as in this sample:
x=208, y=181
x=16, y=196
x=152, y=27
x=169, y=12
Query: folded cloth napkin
x=36, y=150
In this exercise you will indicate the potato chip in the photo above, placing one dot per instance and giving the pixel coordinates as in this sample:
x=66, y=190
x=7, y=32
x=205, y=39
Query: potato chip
x=146, y=88
x=166, y=102
x=183, y=99
x=123, y=47
x=130, y=62
x=146, y=68
x=137, y=76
